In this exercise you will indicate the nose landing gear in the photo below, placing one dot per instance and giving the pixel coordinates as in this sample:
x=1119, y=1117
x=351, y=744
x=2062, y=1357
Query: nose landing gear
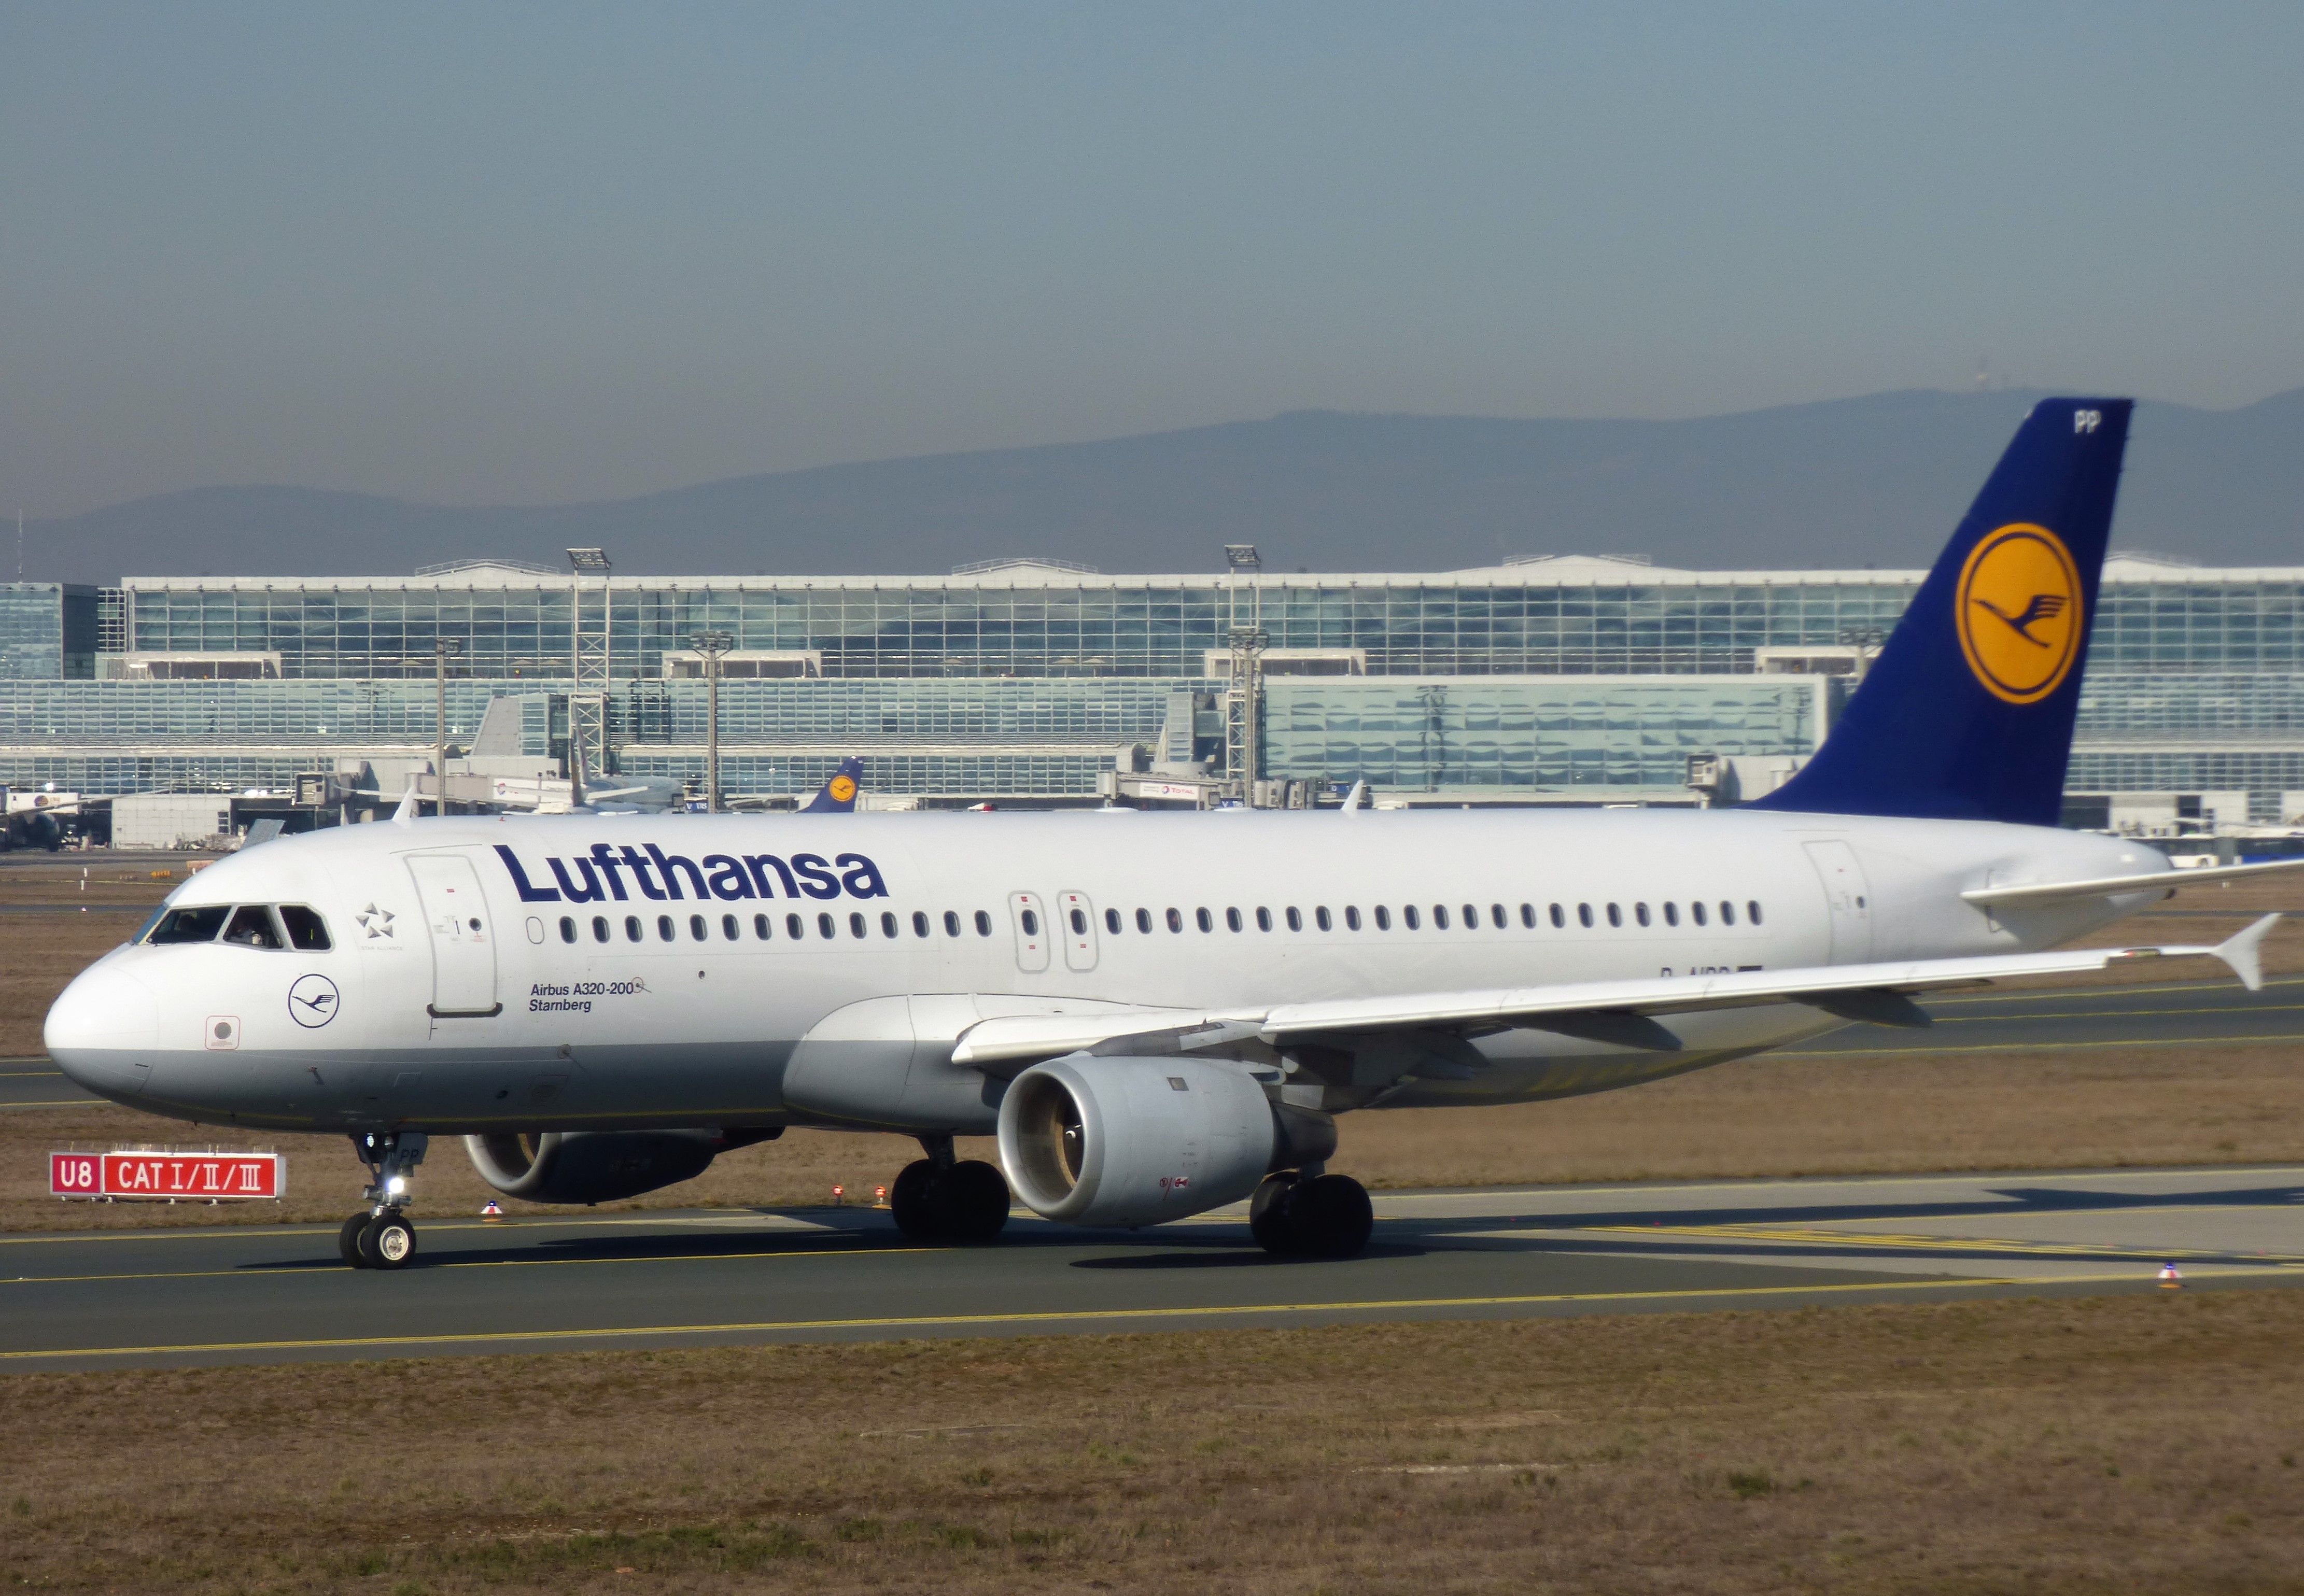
x=381, y=1236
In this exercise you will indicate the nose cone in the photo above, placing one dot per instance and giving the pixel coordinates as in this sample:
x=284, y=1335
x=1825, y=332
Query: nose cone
x=103, y=1031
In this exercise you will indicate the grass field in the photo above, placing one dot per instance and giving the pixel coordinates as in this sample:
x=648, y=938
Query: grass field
x=2125, y=1444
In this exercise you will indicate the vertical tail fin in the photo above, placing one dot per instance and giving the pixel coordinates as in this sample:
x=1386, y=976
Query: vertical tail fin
x=1968, y=712
x=838, y=796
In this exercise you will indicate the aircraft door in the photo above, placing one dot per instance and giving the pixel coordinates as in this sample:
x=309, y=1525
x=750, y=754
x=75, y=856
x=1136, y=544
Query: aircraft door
x=1076, y=917
x=1847, y=899
x=1030, y=916
x=464, y=940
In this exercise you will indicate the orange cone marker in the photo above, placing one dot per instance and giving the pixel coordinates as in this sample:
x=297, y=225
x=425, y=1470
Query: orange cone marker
x=491, y=1213
x=2170, y=1280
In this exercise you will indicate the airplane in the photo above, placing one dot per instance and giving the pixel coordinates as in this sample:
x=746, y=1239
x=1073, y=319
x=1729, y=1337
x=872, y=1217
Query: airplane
x=1157, y=1015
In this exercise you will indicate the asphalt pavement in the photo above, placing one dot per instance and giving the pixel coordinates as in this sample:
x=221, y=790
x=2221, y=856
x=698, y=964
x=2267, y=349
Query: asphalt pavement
x=96, y=1299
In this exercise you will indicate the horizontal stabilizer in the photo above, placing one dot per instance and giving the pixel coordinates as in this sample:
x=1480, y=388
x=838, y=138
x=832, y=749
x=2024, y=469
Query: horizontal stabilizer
x=2162, y=882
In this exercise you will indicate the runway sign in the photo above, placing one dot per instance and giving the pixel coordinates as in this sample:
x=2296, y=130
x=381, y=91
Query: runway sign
x=158, y=1174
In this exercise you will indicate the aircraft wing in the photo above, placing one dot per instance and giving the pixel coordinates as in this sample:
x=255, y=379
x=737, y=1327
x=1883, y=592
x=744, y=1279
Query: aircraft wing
x=1614, y=1012
x=2163, y=882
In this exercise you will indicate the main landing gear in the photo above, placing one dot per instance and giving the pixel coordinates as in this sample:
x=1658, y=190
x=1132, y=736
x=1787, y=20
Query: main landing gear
x=1307, y=1214
x=381, y=1234
x=939, y=1199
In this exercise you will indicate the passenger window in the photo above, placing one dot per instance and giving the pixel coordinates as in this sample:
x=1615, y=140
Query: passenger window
x=1320, y=918
x=1031, y=922
x=760, y=927
x=1407, y=917
x=599, y=928
x=567, y=929
x=1206, y=921
x=1615, y=915
x=1641, y=913
x=1263, y=918
x=1112, y=921
x=887, y=924
x=1439, y=917
x=1233, y=919
x=1383, y=917
x=1527, y=916
x=1559, y=918
x=824, y=927
x=856, y=927
x=1672, y=914
x=252, y=927
x=951, y=924
x=1079, y=923
x=1727, y=912
x=1352, y=918
x=1175, y=921
x=795, y=927
x=728, y=928
x=919, y=923
x=309, y=932
x=1752, y=911
x=192, y=925
x=632, y=928
x=695, y=927
x=983, y=924
x=664, y=928
x=1472, y=917
x=1144, y=921
x=1697, y=910
x=1496, y=917
x=1295, y=918
x=1584, y=915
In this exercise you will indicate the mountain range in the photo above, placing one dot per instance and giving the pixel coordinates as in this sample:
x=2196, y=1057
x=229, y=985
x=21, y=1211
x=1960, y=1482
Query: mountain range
x=1872, y=481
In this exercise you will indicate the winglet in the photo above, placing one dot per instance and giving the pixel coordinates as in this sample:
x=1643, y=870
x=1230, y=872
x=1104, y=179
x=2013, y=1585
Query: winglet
x=1356, y=796
x=2242, y=951
x=407, y=810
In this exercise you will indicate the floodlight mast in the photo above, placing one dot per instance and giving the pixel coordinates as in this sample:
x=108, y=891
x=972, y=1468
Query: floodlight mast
x=444, y=649
x=712, y=645
x=587, y=697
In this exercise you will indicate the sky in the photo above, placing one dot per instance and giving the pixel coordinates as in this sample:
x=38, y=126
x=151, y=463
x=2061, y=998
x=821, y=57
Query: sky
x=550, y=253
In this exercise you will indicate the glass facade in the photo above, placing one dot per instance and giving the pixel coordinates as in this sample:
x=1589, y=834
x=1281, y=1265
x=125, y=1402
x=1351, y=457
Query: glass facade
x=1566, y=675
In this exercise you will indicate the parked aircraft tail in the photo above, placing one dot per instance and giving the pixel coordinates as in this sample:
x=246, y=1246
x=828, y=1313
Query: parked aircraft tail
x=838, y=796
x=1968, y=712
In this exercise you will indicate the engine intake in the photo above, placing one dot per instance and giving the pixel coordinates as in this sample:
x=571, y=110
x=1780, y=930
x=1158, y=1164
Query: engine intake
x=1122, y=1141
x=597, y=1166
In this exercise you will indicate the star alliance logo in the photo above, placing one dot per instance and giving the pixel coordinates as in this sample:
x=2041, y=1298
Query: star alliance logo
x=376, y=921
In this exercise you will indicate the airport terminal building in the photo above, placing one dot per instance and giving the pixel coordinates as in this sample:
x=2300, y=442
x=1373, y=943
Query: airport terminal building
x=1569, y=679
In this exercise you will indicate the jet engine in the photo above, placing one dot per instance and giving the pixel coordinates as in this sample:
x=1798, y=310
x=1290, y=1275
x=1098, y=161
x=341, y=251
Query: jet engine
x=598, y=1165
x=1122, y=1141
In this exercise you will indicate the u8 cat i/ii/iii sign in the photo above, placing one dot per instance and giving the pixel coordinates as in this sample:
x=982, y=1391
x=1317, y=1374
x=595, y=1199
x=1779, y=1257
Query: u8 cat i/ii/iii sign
x=155, y=1175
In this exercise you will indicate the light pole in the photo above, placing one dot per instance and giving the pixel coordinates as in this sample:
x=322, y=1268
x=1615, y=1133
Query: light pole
x=444, y=649
x=712, y=645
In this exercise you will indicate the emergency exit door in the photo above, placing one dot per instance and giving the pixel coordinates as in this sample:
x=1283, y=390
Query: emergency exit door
x=464, y=942
x=1848, y=899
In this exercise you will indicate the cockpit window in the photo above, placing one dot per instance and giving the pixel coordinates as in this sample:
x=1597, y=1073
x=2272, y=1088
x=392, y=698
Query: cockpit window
x=191, y=925
x=251, y=926
x=306, y=931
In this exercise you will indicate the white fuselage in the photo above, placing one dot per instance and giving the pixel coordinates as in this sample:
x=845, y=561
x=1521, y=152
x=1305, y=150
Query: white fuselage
x=459, y=997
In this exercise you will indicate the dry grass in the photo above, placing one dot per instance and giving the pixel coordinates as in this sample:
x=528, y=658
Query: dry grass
x=1781, y=1115
x=2103, y=1445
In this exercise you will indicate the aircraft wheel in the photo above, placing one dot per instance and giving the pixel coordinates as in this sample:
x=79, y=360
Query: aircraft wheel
x=389, y=1242
x=1268, y=1213
x=348, y=1239
x=1331, y=1216
x=973, y=1200
x=909, y=1201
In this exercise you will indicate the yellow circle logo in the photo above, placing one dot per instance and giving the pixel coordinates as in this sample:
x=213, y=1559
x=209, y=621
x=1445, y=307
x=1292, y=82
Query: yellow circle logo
x=842, y=789
x=2019, y=613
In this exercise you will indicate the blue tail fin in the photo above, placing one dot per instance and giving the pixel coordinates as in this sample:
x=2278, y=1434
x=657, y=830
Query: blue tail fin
x=1968, y=714
x=838, y=796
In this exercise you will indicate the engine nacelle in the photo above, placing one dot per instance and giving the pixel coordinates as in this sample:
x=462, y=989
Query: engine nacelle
x=1133, y=1142
x=595, y=1166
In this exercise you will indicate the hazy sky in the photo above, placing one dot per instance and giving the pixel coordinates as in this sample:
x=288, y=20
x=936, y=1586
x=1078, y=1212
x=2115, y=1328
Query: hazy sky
x=484, y=253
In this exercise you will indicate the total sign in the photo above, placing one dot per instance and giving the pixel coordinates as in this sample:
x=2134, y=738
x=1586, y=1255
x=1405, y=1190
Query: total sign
x=160, y=1175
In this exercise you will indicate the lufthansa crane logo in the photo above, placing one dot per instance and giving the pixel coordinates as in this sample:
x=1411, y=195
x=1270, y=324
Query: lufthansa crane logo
x=312, y=1002
x=2019, y=609
x=841, y=787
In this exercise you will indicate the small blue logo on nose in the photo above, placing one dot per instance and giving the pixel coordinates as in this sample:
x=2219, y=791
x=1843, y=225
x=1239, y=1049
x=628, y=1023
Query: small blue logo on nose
x=312, y=1002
